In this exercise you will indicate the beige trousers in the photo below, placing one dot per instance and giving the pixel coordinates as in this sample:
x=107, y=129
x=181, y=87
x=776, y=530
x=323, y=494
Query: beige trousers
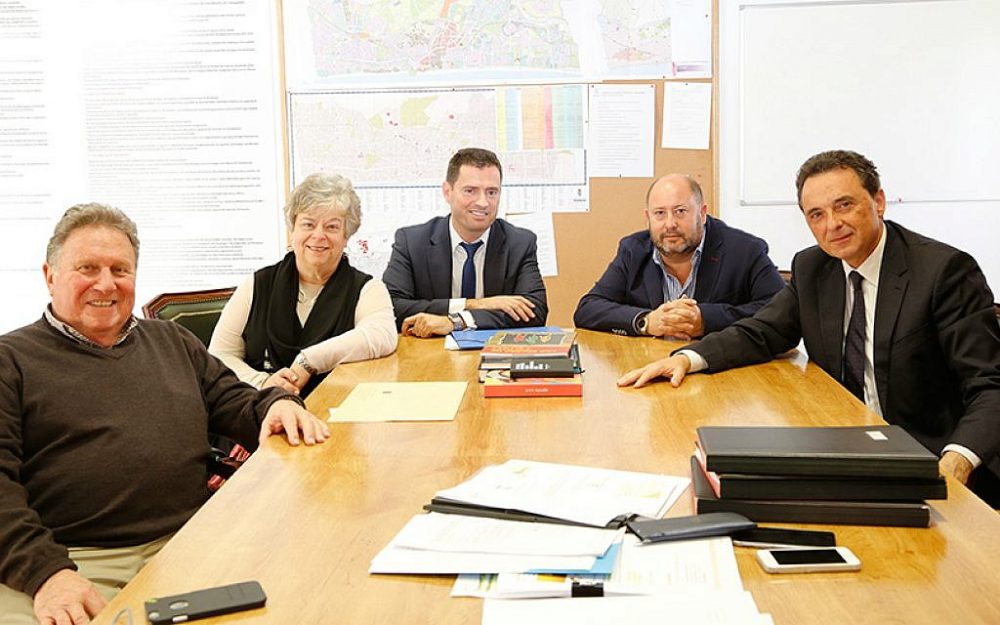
x=108, y=569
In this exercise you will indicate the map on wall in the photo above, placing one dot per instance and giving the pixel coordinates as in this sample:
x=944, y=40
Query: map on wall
x=467, y=40
x=394, y=145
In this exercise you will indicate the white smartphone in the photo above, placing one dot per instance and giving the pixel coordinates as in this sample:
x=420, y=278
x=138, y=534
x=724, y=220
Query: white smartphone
x=808, y=560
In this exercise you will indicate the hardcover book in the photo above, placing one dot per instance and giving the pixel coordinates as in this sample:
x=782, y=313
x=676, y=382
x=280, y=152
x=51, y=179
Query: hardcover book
x=500, y=384
x=505, y=345
x=889, y=513
x=857, y=451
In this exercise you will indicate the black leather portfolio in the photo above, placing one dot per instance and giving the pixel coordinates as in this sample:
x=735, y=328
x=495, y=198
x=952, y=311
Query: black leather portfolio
x=892, y=513
x=869, y=451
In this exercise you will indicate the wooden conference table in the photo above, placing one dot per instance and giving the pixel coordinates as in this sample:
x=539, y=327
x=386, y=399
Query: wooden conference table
x=306, y=522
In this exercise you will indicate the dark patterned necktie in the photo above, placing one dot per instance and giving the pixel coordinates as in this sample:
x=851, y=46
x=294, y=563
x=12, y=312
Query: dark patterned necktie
x=469, y=269
x=854, y=346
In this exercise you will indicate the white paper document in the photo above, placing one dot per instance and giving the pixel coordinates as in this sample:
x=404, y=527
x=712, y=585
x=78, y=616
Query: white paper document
x=687, y=115
x=666, y=567
x=718, y=608
x=541, y=225
x=468, y=534
x=583, y=494
x=399, y=560
x=401, y=401
x=621, y=131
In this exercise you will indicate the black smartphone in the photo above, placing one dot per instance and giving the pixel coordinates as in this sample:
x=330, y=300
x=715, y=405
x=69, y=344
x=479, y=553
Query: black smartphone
x=769, y=537
x=197, y=604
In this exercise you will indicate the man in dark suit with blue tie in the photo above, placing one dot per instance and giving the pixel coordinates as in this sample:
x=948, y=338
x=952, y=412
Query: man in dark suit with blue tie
x=687, y=275
x=469, y=270
x=904, y=322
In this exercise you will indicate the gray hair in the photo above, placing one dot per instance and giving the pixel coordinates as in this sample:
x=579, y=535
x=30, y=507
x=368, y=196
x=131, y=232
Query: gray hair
x=325, y=191
x=92, y=214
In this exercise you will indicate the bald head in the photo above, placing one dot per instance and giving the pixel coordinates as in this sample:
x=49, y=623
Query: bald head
x=678, y=181
x=675, y=215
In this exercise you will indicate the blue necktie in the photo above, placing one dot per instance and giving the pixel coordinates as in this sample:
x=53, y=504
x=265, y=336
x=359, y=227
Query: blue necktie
x=854, y=346
x=469, y=269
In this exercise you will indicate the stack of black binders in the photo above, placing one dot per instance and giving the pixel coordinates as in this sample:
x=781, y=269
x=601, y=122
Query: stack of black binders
x=876, y=475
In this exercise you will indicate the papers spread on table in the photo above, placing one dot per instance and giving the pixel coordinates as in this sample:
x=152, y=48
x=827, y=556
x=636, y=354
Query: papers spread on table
x=675, y=567
x=587, y=495
x=447, y=544
x=401, y=401
x=452, y=532
x=716, y=608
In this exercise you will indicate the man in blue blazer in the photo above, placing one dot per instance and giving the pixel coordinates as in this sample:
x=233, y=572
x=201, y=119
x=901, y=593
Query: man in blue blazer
x=687, y=275
x=469, y=270
x=904, y=322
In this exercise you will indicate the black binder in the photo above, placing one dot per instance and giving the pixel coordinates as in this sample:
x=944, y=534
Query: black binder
x=892, y=513
x=870, y=451
x=742, y=486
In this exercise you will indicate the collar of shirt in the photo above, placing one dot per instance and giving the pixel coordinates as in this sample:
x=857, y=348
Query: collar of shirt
x=672, y=288
x=869, y=269
x=71, y=332
x=457, y=238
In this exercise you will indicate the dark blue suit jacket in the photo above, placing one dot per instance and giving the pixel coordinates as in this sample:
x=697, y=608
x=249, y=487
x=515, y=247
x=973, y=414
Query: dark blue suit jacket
x=735, y=278
x=419, y=272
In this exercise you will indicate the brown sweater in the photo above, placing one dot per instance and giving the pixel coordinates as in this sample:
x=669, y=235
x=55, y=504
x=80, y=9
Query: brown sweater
x=107, y=447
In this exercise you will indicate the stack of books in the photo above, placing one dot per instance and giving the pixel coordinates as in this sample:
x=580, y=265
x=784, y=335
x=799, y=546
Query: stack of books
x=875, y=475
x=531, y=364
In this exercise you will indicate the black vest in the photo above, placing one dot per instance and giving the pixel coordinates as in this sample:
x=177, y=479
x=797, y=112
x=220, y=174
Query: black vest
x=273, y=334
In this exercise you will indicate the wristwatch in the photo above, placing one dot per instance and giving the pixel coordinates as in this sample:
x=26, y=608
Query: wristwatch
x=641, y=322
x=301, y=361
x=457, y=321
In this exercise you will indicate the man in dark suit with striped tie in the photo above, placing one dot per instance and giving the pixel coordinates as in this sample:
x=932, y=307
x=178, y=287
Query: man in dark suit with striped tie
x=904, y=322
x=468, y=270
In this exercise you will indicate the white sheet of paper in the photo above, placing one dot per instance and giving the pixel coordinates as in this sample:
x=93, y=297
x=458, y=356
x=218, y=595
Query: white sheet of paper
x=687, y=115
x=398, y=560
x=400, y=401
x=717, y=608
x=468, y=534
x=621, y=130
x=541, y=225
x=691, y=38
x=661, y=568
x=584, y=494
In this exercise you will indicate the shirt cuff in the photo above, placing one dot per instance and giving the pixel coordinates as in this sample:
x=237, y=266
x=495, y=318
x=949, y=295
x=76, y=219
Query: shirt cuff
x=965, y=452
x=470, y=321
x=697, y=362
x=456, y=305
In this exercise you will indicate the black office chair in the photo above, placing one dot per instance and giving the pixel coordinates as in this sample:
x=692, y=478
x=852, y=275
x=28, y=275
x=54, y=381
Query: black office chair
x=199, y=311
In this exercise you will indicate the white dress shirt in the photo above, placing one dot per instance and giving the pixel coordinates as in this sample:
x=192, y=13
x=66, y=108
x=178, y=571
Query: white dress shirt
x=458, y=255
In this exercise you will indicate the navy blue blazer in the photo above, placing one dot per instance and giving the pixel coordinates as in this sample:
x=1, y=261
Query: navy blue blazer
x=735, y=278
x=936, y=341
x=419, y=272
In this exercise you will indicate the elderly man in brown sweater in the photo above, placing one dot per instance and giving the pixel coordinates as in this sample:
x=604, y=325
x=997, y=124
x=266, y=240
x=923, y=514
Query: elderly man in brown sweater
x=103, y=428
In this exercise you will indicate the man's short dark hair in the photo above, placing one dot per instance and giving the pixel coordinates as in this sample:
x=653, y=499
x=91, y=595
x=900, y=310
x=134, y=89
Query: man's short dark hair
x=477, y=157
x=839, y=159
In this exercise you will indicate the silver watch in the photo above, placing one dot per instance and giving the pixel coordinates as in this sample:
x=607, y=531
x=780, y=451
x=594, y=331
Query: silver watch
x=301, y=361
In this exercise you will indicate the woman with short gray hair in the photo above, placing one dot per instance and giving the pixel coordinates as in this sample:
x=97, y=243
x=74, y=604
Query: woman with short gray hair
x=291, y=323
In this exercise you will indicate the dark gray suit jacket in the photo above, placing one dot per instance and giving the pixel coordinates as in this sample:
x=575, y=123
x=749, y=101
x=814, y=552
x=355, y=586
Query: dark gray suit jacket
x=936, y=341
x=419, y=272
